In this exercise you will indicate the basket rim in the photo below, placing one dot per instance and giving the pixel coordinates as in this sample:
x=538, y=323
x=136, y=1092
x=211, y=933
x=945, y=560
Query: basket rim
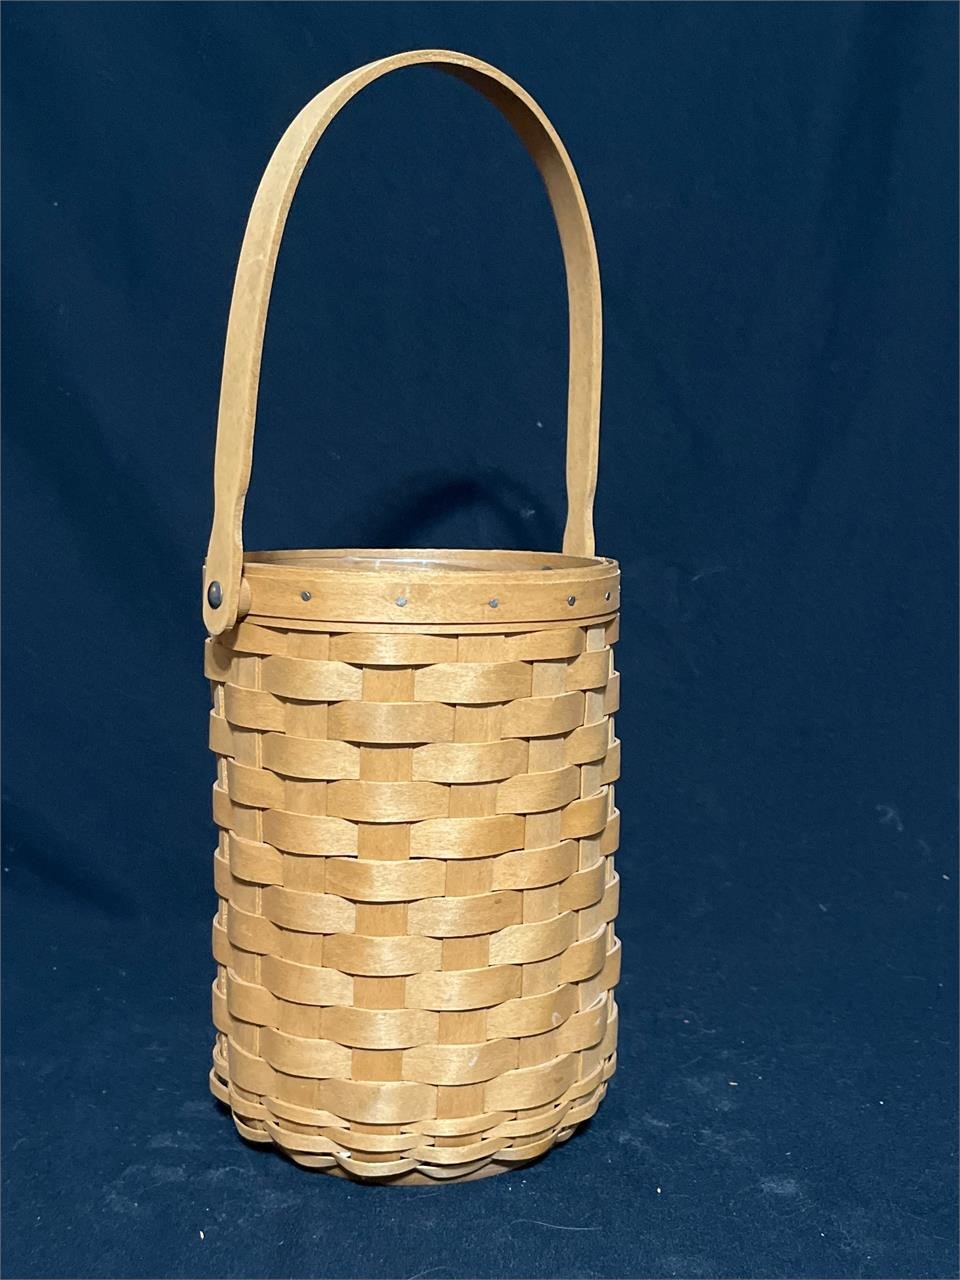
x=427, y=586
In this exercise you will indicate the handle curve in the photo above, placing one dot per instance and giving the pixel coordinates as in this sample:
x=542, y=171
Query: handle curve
x=246, y=326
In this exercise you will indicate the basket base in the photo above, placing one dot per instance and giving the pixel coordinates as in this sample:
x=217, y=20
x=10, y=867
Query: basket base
x=414, y=1178
x=487, y=1168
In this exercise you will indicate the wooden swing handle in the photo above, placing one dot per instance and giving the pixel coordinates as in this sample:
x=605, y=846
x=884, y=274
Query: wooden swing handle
x=251, y=297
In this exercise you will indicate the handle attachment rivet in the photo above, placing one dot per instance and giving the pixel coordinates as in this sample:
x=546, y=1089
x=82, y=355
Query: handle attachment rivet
x=400, y=601
x=571, y=599
x=494, y=603
x=215, y=595
x=607, y=595
x=304, y=595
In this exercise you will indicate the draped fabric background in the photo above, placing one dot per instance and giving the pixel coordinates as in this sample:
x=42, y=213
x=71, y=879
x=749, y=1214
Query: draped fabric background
x=773, y=189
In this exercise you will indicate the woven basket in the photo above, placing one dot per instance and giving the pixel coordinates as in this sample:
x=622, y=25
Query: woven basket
x=415, y=945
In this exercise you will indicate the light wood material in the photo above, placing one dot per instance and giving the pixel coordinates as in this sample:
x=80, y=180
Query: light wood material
x=415, y=934
x=251, y=298
x=416, y=957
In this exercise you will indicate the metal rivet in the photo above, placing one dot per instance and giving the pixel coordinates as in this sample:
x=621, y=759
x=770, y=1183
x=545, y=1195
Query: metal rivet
x=304, y=595
x=494, y=603
x=215, y=595
x=571, y=599
x=607, y=596
x=401, y=601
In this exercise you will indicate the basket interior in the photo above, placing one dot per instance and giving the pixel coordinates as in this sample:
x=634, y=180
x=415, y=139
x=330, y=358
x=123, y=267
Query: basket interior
x=423, y=560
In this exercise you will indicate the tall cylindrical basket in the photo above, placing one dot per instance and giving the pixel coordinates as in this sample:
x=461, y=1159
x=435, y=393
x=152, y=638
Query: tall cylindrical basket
x=415, y=949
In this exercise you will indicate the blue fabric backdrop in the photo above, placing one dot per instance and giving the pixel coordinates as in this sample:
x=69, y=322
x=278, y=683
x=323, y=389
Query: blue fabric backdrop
x=773, y=189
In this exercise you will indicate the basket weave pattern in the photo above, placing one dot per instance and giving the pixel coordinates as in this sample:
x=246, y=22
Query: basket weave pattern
x=415, y=947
